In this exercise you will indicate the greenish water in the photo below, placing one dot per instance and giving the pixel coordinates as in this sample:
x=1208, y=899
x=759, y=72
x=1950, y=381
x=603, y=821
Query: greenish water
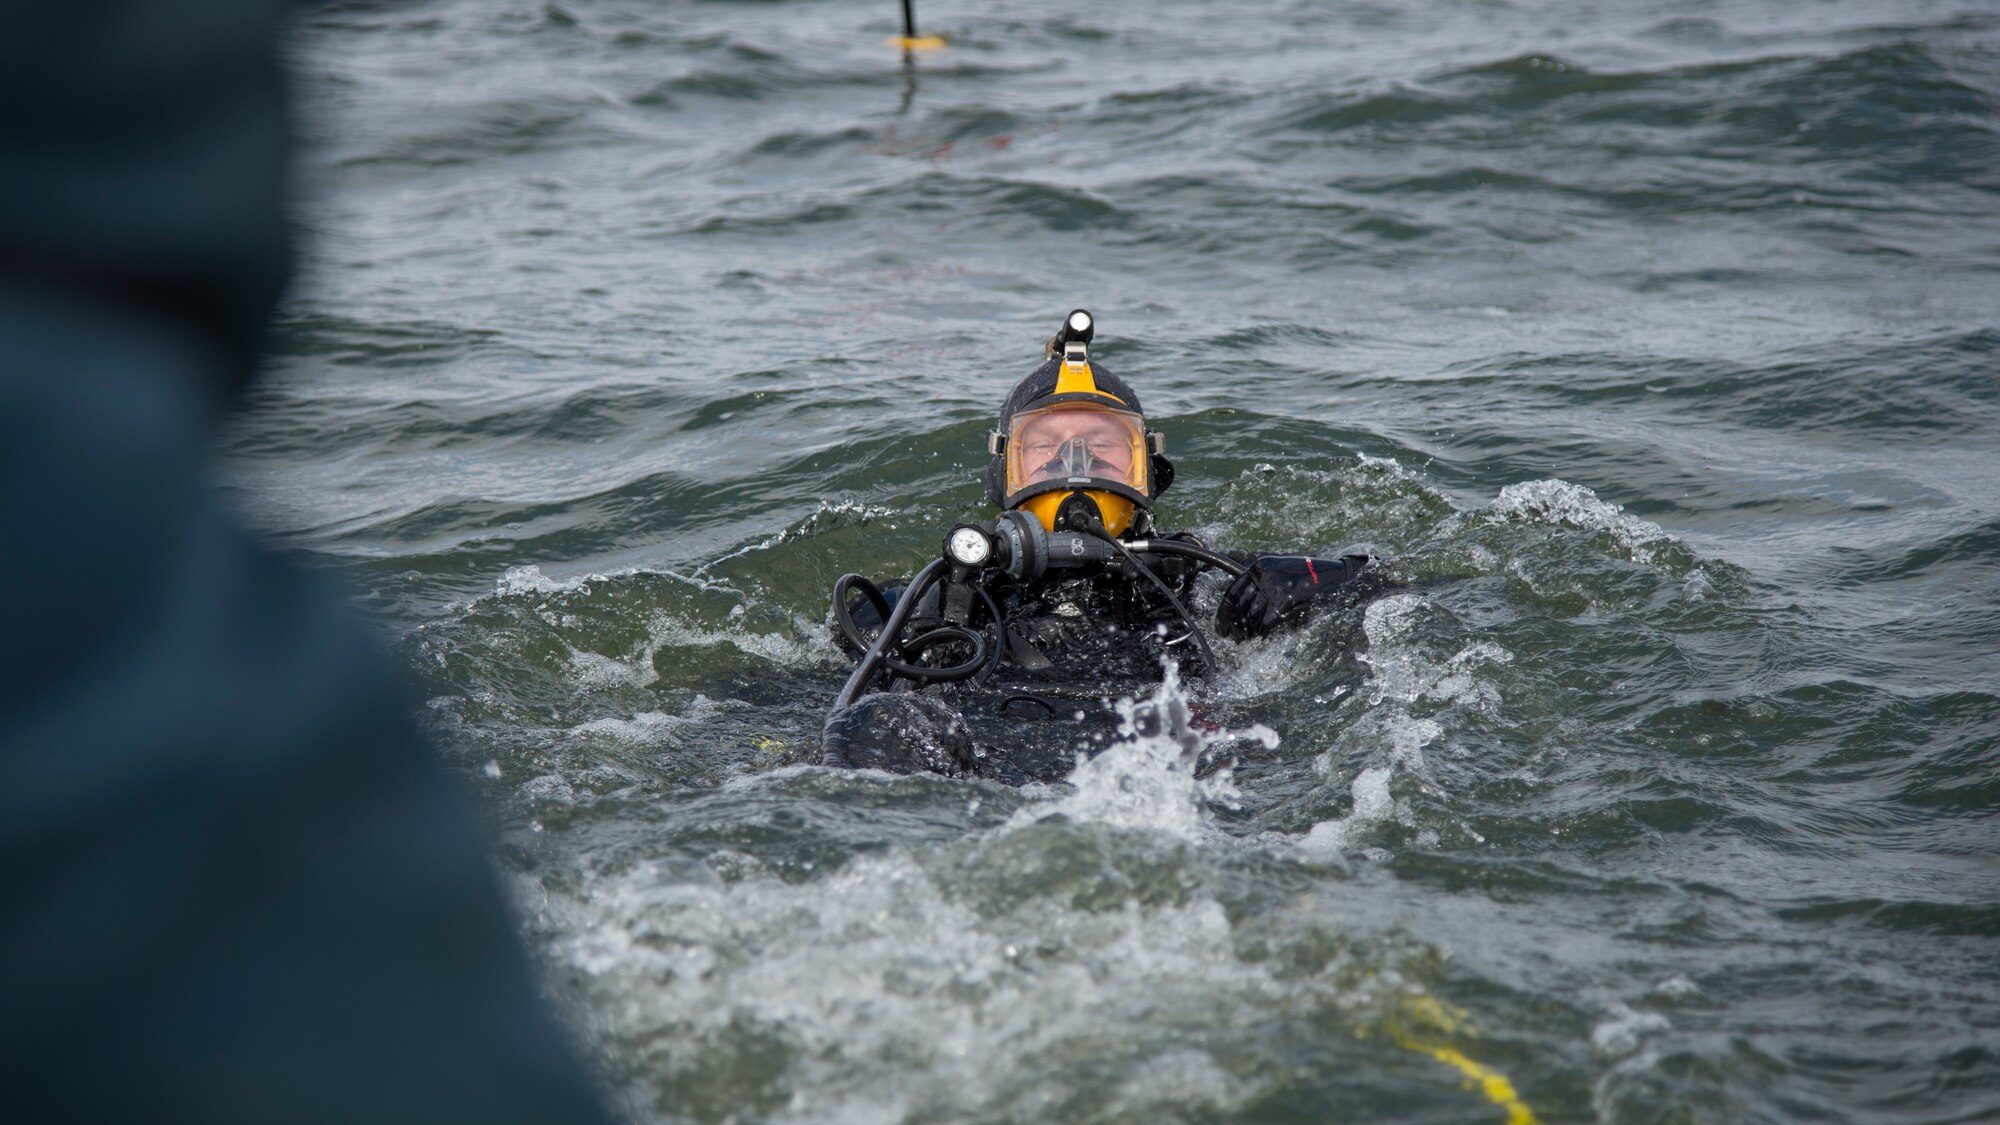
x=1656, y=344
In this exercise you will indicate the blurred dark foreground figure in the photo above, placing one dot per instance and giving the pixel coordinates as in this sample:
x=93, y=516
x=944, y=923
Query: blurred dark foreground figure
x=237, y=887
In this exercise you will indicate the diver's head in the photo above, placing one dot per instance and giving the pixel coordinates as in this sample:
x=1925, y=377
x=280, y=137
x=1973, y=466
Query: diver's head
x=1073, y=442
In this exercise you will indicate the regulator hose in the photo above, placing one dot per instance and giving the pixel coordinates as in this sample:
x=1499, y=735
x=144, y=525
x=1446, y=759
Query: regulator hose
x=900, y=616
x=985, y=659
x=964, y=670
x=1190, y=550
x=843, y=617
x=999, y=631
x=1200, y=642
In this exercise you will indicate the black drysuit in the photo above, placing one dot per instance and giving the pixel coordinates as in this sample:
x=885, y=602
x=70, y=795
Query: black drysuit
x=1073, y=641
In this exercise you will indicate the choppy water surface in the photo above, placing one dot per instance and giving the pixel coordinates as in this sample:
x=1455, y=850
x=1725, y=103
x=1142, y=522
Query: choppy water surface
x=1657, y=343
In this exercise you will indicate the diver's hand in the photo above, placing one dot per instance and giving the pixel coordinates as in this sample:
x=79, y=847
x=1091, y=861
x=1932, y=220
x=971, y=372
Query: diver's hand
x=1279, y=590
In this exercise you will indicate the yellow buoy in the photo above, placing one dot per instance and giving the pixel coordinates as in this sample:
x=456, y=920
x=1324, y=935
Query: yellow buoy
x=909, y=40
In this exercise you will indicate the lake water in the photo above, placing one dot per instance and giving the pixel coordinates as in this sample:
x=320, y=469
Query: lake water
x=1656, y=342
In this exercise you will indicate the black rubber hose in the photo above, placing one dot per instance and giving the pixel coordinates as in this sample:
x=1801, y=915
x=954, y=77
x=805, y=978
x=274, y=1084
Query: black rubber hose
x=999, y=631
x=843, y=618
x=1207, y=655
x=900, y=616
x=1212, y=558
x=1001, y=707
x=949, y=673
x=985, y=657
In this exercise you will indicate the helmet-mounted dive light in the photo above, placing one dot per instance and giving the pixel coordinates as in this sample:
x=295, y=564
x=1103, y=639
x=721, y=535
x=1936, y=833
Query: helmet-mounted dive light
x=1077, y=328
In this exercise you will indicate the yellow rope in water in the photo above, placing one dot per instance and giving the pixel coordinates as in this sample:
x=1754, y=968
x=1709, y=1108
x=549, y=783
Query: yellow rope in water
x=1492, y=1083
x=917, y=42
x=1428, y=1012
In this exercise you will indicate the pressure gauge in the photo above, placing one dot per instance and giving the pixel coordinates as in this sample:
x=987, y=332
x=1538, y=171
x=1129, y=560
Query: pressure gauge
x=968, y=545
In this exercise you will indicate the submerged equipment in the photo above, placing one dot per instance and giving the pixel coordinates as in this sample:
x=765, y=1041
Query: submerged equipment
x=1072, y=448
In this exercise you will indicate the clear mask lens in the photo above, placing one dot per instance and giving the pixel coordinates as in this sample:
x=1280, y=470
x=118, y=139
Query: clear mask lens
x=1076, y=441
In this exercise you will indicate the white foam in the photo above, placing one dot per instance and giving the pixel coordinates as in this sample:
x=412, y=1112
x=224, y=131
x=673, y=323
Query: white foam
x=1621, y=1034
x=1373, y=804
x=930, y=984
x=1147, y=779
x=1562, y=504
x=594, y=670
x=1406, y=672
x=808, y=646
x=1403, y=670
x=550, y=788
x=1676, y=987
x=892, y=999
x=649, y=726
x=1390, y=467
x=643, y=727
x=1697, y=589
x=1181, y=1077
x=529, y=580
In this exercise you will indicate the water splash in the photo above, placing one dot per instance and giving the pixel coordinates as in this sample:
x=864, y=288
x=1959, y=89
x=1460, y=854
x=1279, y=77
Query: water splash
x=1327, y=841
x=529, y=579
x=963, y=983
x=1405, y=671
x=1624, y=1029
x=648, y=727
x=1559, y=503
x=879, y=995
x=1148, y=778
x=1411, y=683
x=807, y=646
x=828, y=516
x=1374, y=803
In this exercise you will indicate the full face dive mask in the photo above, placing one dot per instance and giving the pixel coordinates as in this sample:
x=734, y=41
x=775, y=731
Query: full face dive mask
x=1072, y=439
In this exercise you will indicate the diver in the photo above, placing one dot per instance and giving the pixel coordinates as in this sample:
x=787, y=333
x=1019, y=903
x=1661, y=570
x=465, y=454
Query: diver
x=998, y=658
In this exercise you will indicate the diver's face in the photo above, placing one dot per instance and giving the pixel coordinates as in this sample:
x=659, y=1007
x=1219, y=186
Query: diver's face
x=1075, y=443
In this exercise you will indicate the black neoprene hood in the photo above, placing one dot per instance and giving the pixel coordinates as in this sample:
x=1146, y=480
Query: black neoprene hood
x=1041, y=383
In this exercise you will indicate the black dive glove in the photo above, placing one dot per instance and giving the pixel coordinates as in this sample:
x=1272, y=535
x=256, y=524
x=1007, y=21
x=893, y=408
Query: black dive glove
x=1279, y=590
